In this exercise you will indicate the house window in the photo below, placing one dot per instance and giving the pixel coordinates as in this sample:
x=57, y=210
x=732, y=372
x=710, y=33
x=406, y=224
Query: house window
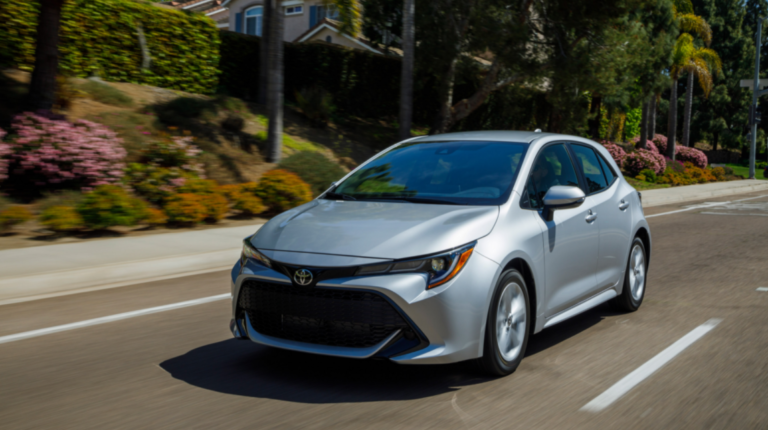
x=329, y=39
x=294, y=10
x=254, y=21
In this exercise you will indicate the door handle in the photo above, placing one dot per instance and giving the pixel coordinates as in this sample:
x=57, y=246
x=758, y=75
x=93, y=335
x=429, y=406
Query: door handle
x=591, y=217
x=623, y=205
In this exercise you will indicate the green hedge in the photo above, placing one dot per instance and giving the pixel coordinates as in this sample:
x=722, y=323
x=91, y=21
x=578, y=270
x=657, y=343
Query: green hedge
x=99, y=36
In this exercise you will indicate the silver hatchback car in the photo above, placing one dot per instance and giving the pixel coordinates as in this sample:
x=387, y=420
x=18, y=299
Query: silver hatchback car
x=447, y=248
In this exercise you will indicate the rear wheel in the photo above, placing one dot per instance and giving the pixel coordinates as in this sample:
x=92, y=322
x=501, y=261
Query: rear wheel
x=508, y=326
x=634, y=279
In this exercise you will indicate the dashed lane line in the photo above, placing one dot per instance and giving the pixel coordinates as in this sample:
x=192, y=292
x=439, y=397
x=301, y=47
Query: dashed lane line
x=111, y=318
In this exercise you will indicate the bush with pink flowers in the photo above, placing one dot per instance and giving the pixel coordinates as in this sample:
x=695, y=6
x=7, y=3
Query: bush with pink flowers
x=617, y=152
x=695, y=156
x=649, y=145
x=5, y=149
x=644, y=159
x=57, y=154
x=661, y=143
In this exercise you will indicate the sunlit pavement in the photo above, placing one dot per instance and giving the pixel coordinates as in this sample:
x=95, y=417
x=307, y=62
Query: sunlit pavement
x=181, y=369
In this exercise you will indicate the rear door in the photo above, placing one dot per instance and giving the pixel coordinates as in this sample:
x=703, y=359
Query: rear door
x=570, y=239
x=613, y=216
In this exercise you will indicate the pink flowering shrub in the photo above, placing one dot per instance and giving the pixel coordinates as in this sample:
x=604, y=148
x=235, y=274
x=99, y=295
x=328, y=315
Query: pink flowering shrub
x=695, y=156
x=5, y=149
x=661, y=143
x=644, y=159
x=616, y=151
x=649, y=145
x=55, y=153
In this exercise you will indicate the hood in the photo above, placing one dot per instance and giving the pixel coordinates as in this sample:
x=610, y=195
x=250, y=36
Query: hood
x=383, y=230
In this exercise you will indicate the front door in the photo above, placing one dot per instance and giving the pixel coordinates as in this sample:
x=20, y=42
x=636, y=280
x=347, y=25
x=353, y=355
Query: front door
x=570, y=239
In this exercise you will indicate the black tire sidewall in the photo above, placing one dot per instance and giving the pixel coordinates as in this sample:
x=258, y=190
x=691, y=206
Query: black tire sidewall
x=492, y=359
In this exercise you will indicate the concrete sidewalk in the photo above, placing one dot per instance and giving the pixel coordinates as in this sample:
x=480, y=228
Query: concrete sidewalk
x=48, y=271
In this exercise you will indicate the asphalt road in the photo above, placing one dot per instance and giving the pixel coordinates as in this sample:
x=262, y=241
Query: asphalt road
x=181, y=369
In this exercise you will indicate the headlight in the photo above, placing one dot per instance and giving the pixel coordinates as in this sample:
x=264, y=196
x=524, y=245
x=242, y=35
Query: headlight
x=249, y=252
x=439, y=268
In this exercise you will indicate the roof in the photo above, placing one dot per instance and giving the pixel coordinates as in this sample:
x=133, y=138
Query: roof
x=501, y=135
x=335, y=26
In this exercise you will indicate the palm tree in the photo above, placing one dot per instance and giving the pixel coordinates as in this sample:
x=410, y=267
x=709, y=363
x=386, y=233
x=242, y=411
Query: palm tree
x=349, y=15
x=700, y=62
x=406, y=81
x=684, y=47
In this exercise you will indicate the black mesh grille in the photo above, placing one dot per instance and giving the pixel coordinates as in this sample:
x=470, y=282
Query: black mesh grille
x=322, y=316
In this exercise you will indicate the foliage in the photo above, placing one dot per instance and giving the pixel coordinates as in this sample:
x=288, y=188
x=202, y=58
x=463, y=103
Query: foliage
x=99, y=37
x=5, y=150
x=182, y=109
x=199, y=186
x=649, y=145
x=105, y=93
x=642, y=159
x=281, y=190
x=61, y=218
x=617, y=152
x=242, y=199
x=693, y=155
x=66, y=93
x=174, y=151
x=648, y=175
x=70, y=198
x=316, y=104
x=632, y=124
x=185, y=209
x=13, y=216
x=49, y=153
x=216, y=206
x=678, y=174
x=155, y=217
x=156, y=183
x=110, y=205
x=661, y=143
x=313, y=168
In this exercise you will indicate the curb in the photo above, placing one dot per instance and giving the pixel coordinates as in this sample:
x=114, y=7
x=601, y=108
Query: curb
x=666, y=196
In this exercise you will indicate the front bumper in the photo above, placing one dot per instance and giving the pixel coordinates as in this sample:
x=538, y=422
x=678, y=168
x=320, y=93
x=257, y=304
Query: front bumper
x=449, y=320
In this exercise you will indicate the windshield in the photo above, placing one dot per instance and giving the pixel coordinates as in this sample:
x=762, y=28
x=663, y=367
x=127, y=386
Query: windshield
x=465, y=173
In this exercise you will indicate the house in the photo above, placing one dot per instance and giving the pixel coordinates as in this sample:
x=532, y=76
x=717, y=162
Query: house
x=213, y=9
x=327, y=31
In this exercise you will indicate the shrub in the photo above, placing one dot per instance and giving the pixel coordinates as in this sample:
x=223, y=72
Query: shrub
x=643, y=159
x=5, y=149
x=61, y=218
x=181, y=110
x=650, y=175
x=313, y=168
x=199, y=186
x=661, y=143
x=155, y=217
x=174, y=151
x=281, y=190
x=66, y=93
x=316, y=104
x=155, y=183
x=719, y=173
x=61, y=154
x=649, y=145
x=676, y=166
x=233, y=123
x=100, y=36
x=241, y=198
x=216, y=206
x=105, y=93
x=110, y=205
x=693, y=155
x=617, y=152
x=185, y=209
x=69, y=198
x=13, y=216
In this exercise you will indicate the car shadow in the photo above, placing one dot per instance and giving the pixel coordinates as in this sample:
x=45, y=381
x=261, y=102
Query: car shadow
x=244, y=368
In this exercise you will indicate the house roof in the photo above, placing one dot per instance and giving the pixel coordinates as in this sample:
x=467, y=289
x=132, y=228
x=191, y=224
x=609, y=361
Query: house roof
x=335, y=26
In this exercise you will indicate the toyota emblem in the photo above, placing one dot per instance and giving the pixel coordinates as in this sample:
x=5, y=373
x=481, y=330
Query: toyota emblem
x=303, y=277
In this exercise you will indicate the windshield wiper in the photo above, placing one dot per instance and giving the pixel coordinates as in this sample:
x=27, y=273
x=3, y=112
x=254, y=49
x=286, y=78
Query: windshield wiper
x=337, y=196
x=415, y=200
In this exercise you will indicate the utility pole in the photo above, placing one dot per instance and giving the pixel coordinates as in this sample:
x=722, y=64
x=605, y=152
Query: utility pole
x=755, y=94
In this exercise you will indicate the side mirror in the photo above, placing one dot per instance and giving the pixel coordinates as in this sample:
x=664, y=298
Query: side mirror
x=562, y=197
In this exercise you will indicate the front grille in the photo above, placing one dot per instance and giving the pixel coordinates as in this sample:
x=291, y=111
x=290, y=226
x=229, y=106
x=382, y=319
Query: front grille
x=323, y=316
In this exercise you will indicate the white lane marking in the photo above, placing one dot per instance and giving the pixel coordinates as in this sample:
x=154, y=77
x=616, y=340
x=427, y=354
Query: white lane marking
x=111, y=318
x=704, y=205
x=638, y=375
x=762, y=288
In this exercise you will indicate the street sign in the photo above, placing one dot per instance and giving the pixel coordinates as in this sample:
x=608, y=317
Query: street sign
x=750, y=83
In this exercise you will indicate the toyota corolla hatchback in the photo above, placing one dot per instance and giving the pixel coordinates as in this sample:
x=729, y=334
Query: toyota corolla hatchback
x=447, y=248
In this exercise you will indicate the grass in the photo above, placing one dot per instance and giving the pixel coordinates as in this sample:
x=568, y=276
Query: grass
x=744, y=171
x=105, y=93
x=642, y=186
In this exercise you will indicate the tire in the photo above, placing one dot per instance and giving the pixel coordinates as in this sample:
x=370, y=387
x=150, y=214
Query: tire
x=634, y=279
x=510, y=314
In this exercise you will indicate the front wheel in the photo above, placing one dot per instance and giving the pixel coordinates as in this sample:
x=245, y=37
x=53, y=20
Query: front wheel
x=508, y=326
x=634, y=279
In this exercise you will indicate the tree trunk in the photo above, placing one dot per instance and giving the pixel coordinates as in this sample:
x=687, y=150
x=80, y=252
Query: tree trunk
x=264, y=48
x=406, y=80
x=641, y=144
x=687, y=111
x=672, y=129
x=594, y=112
x=652, y=117
x=275, y=90
x=715, y=137
x=42, y=89
x=443, y=116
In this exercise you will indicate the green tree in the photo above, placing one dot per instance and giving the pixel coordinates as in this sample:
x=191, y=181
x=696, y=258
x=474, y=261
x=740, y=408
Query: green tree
x=703, y=63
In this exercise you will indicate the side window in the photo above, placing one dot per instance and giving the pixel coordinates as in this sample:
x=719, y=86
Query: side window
x=552, y=167
x=609, y=175
x=590, y=165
